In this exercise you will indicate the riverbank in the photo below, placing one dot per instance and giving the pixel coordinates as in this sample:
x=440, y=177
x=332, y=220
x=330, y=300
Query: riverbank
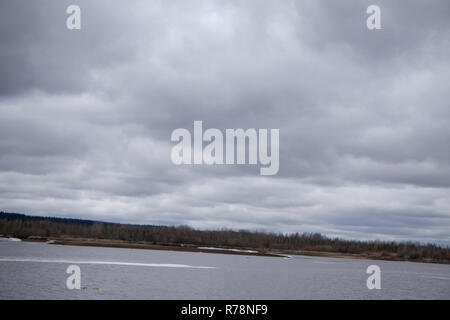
x=184, y=238
x=148, y=246
x=221, y=250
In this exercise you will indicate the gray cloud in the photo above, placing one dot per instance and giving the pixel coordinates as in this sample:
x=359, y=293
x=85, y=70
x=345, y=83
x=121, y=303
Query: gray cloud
x=86, y=116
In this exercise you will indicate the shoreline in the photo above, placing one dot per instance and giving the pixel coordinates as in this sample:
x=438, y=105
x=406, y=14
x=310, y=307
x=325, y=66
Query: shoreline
x=88, y=242
x=85, y=242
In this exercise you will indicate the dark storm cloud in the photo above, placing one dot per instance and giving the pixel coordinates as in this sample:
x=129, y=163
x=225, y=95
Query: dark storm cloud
x=86, y=115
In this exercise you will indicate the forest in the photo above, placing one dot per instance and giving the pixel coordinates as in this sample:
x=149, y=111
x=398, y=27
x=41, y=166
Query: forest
x=46, y=228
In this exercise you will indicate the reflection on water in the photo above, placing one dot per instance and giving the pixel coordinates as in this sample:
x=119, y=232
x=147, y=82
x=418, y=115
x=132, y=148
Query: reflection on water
x=38, y=271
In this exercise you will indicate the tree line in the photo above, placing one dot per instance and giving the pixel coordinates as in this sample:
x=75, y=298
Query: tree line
x=24, y=226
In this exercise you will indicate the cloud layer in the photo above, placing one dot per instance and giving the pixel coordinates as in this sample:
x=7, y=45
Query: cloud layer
x=86, y=115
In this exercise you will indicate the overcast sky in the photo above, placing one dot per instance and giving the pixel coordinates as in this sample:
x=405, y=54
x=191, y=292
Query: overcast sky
x=364, y=116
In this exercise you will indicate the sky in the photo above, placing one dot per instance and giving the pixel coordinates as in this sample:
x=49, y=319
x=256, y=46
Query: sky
x=86, y=115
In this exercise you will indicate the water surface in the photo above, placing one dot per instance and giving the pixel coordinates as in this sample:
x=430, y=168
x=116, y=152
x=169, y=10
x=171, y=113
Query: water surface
x=38, y=271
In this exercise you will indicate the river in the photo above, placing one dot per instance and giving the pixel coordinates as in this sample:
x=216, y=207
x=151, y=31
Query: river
x=38, y=271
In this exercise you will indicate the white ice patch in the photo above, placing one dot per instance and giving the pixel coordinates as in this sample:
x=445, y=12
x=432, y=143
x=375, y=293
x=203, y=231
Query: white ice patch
x=137, y=264
x=11, y=239
x=224, y=249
